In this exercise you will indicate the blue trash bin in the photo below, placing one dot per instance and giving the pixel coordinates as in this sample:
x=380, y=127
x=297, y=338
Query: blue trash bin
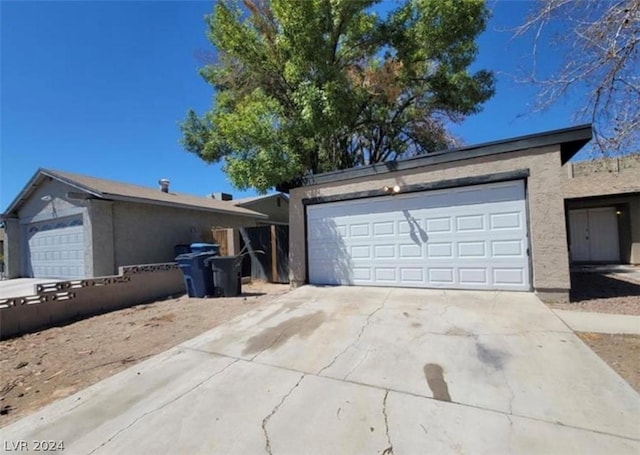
x=181, y=249
x=205, y=247
x=198, y=279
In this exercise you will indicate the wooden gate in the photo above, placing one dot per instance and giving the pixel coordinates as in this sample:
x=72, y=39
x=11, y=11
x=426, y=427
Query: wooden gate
x=221, y=237
x=268, y=248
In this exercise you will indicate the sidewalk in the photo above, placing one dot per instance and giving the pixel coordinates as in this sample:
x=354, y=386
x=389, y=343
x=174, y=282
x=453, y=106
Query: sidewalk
x=583, y=321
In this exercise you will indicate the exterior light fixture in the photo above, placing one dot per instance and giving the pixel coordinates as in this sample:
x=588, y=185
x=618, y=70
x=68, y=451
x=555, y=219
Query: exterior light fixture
x=618, y=212
x=391, y=189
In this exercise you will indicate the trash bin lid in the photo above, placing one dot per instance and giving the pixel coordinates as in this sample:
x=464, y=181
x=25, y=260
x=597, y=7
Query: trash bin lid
x=205, y=245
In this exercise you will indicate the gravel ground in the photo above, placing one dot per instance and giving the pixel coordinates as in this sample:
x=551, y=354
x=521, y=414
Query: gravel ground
x=39, y=368
x=602, y=293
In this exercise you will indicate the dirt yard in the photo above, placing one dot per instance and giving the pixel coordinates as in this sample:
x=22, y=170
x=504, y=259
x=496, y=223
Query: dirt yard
x=35, y=369
x=39, y=368
x=621, y=352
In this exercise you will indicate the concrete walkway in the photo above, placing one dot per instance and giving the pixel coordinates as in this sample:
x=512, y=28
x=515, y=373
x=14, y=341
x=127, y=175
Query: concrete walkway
x=583, y=321
x=349, y=370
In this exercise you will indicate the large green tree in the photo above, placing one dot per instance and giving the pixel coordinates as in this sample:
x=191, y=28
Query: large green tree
x=308, y=86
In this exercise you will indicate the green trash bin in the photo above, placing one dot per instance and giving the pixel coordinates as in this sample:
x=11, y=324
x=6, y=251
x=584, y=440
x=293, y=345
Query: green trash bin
x=227, y=276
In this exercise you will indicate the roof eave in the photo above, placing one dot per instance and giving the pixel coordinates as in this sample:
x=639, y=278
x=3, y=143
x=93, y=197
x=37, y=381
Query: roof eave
x=571, y=140
x=33, y=183
x=239, y=203
x=117, y=197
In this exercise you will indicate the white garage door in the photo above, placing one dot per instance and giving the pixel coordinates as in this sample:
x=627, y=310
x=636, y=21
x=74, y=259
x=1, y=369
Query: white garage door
x=55, y=248
x=472, y=237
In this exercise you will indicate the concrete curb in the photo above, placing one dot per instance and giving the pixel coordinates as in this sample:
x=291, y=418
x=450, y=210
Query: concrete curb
x=583, y=321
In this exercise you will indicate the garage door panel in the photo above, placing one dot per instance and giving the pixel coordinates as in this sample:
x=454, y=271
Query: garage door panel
x=55, y=249
x=477, y=241
x=386, y=228
x=470, y=223
x=509, y=276
x=439, y=225
x=472, y=249
x=441, y=275
x=439, y=250
x=384, y=252
x=508, y=220
x=410, y=250
x=473, y=276
x=507, y=248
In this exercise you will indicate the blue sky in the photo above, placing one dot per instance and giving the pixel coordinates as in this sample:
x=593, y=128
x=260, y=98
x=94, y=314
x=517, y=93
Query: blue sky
x=98, y=88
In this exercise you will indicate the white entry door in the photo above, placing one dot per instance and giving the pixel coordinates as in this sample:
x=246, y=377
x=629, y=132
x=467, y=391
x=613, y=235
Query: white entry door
x=594, y=235
x=472, y=237
x=55, y=248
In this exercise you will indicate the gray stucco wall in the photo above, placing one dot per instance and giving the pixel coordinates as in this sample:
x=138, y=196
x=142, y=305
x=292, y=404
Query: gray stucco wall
x=36, y=209
x=13, y=249
x=548, y=238
x=146, y=234
x=99, y=247
x=115, y=233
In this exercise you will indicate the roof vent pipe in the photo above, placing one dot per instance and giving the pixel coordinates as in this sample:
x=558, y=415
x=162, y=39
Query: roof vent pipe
x=164, y=185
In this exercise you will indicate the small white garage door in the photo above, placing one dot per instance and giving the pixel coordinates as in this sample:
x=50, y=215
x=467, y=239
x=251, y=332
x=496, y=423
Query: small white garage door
x=55, y=248
x=472, y=237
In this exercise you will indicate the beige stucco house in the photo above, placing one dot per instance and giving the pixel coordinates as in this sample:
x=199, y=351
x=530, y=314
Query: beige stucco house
x=602, y=201
x=490, y=217
x=65, y=225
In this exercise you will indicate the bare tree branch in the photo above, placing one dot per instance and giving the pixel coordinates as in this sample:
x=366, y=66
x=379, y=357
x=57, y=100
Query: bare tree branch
x=600, y=41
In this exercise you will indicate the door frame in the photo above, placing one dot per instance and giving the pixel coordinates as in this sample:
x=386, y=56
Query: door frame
x=616, y=208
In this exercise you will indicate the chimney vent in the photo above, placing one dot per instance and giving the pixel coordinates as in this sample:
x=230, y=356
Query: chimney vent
x=222, y=196
x=164, y=185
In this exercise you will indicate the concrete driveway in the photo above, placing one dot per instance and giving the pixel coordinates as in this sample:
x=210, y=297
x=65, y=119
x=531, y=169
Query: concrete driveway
x=360, y=370
x=22, y=287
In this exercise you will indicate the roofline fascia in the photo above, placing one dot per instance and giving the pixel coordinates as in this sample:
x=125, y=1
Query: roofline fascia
x=31, y=184
x=99, y=195
x=116, y=197
x=73, y=184
x=573, y=138
x=258, y=199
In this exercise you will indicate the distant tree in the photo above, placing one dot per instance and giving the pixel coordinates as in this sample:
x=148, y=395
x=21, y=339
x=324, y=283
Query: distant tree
x=307, y=86
x=601, y=56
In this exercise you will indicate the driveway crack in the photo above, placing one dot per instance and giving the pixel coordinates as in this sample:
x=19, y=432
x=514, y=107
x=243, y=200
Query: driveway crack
x=389, y=449
x=182, y=395
x=265, y=421
x=366, y=324
x=357, y=364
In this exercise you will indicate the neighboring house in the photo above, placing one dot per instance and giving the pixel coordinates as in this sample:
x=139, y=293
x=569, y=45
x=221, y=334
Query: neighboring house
x=275, y=206
x=65, y=225
x=490, y=216
x=602, y=200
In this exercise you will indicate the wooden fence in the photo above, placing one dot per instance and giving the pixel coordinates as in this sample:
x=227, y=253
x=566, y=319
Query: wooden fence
x=268, y=253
